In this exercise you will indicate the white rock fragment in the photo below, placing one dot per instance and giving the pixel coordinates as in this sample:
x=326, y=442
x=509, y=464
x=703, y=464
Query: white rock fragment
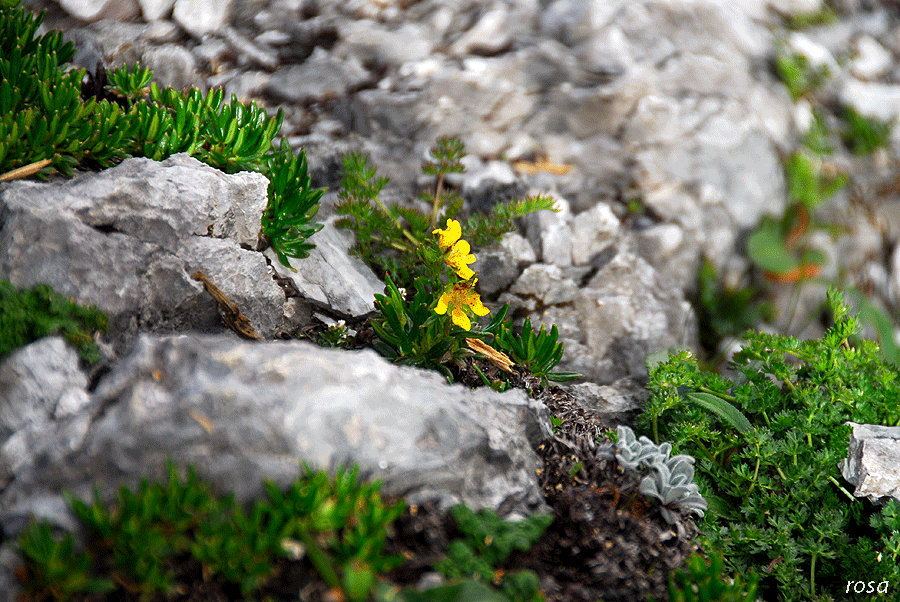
x=873, y=461
x=199, y=17
x=872, y=59
x=156, y=9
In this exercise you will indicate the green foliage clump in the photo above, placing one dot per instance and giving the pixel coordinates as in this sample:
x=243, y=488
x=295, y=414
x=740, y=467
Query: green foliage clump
x=410, y=332
x=776, y=504
x=702, y=581
x=41, y=112
x=538, y=352
x=863, y=135
x=797, y=74
x=723, y=311
x=28, y=315
x=424, y=316
x=780, y=246
x=488, y=540
x=55, y=567
x=141, y=542
x=45, y=125
x=388, y=236
x=293, y=202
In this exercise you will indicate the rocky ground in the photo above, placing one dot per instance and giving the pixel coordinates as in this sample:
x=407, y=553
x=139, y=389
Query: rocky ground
x=659, y=127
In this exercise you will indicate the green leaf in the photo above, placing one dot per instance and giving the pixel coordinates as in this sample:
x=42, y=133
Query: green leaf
x=767, y=249
x=722, y=408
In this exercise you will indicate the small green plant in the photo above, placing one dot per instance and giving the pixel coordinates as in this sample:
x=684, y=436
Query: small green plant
x=488, y=540
x=335, y=335
x=776, y=503
x=412, y=332
x=823, y=16
x=339, y=524
x=388, y=236
x=46, y=126
x=703, y=581
x=41, y=112
x=55, y=567
x=880, y=321
x=724, y=312
x=293, y=202
x=864, y=135
x=539, y=352
x=780, y=246
x=797, y=74
x=425, y=317
x=818, y=137
x=131, y=84
x=28, y=315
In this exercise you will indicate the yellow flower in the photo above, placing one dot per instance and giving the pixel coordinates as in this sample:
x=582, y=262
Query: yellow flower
x=460, y=255
x=450, y=235
x=458, y=258
x=461, y=297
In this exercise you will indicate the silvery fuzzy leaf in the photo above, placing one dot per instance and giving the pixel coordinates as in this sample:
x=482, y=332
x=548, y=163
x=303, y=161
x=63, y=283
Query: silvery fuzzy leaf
x=682, y=458
x=626, y=436
x=631, y=452
x=649, y=488
x=671, y=517
x=664, y=448
x=659, y=484
x=693, y=502
x=681, y=471
x=633, y=459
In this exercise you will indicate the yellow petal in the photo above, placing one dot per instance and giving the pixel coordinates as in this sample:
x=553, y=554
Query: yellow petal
x=441, y=307
x=461, y=319
x=464, y=272
x=450, y=235
x=462, y=248
x=473, y=300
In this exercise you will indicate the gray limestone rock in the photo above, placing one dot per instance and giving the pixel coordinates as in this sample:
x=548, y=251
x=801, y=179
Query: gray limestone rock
x=245, y=411
x=130, y=238
x=546, y=283
x=626, y=311
x=330, y=277
x=201, y=17
x=94, y=10
x=321, y=77
x=873, y=462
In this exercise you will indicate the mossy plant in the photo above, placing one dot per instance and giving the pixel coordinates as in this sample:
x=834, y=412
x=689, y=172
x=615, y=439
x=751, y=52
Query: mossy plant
x=703, y=580
x=46, y=126
x=777, y=505
x=488, y=540
x=141, y=544
x=30, y=314
x=794, y=69
x=863, y=135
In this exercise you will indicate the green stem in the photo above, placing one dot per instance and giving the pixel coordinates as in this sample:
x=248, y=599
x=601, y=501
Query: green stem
x=706, y=452
x=812, y=576
x=484, y=378
x=841, y=487
x=755, y=475
x=436, y=205
x=318, y=558
x=724, y=396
